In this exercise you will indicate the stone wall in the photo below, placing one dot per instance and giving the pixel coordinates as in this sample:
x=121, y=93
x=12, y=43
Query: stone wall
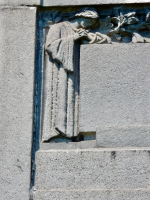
x=99, y=159
x=17, y=61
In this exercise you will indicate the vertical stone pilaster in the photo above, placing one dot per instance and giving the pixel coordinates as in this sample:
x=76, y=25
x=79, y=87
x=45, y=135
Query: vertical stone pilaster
x=17, y=60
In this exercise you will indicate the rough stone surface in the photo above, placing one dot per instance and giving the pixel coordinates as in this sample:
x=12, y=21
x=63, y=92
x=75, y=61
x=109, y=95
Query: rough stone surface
x=19, y=2
x=69, y=145
x=137, y=136
x=93, y=169
x=87, y=2
x=93, y=195
x=114, y=85
x=17, y=55
x=68, y=2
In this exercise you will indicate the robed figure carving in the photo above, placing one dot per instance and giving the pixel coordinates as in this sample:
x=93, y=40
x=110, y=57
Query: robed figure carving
x=61, y=87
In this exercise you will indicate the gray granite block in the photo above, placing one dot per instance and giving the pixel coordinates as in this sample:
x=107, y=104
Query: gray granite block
x=69, y=145
x=17, y=57
x=116, y=136
x=114, y=85
x=88, y=2
x=19, y=2
x=68, y=2
x=93, y=169
x=137, y=194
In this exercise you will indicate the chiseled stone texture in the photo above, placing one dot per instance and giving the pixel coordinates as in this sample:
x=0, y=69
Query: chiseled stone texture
x=68, y=2
x=17, y=57
x=19, y=2
x=114, y=85
x=92, y=169
x=69, y=145
x=116, y=136
x=93, y=195
x=88, y=2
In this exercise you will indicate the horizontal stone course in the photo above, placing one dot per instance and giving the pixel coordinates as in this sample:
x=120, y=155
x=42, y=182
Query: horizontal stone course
x=122, y=136
x=69, y=145
x=138, y=194
x=88, y=2
x=19, y=2
x=93, y=169
x=68, y=2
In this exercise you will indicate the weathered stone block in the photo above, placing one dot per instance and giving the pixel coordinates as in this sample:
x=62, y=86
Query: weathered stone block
x=87, y=2
x=17, y=57
x=137, y=194
x=69, y=145
x=19, y=2
x=116, y=136
x=93, y=169
x=114, y=85
x=68, y=2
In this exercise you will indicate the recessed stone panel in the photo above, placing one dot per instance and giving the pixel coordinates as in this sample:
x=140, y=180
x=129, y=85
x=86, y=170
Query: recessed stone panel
x=114, y=85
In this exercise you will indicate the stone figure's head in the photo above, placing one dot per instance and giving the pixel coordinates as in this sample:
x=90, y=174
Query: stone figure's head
x=87, y=18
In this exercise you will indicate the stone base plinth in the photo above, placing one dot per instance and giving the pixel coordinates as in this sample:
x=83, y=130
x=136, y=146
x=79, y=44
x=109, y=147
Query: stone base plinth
x=138, y=194
x=83, y=174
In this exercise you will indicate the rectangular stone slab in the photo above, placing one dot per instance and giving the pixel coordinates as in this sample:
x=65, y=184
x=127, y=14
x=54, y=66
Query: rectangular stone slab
x=68, y=2
x=137, y=194
x=116, y=136
x=114, y=85
x=17, y=59
x=88, y=2
x=19, y=2
x=93, y=169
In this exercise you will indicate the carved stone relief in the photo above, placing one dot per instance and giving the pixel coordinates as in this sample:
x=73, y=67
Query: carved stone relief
x=63, y=45
x=65, y=32
x=129, y=25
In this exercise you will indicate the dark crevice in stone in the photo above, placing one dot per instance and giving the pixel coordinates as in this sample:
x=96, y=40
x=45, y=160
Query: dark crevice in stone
x=113, y=154
x=37, y=101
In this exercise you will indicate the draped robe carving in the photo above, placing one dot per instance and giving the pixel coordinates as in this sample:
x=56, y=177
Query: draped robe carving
x=62, y=91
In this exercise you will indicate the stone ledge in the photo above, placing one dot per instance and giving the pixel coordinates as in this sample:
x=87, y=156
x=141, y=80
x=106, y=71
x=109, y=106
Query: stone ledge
x=69, y=145
x=121, y=136
x=87, y=2
x=138, y=194
x=67, y=2
x=92, y=169
x=19, y=2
